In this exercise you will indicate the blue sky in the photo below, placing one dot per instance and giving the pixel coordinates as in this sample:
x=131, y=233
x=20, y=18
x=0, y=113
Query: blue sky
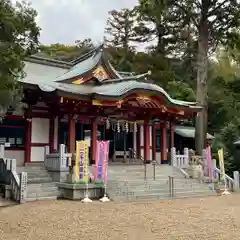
x=65, y=21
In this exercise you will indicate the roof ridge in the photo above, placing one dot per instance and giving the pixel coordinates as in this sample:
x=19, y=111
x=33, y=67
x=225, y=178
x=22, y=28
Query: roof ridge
x=35, y=56
x=128, y=78
x=84, y=56
x=48, y=61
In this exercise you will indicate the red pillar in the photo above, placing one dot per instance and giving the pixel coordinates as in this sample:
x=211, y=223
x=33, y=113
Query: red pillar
x=28, y=140
x=171, y=135
x=146, y=141
x=93, y=140
x=71, y=134
x=153, y=142
x=58, y=133
x=138, y=144
x=51, y=135
x=164, y=158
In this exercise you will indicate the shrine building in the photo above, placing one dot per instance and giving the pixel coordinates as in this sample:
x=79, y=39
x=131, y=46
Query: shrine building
x=87, y=99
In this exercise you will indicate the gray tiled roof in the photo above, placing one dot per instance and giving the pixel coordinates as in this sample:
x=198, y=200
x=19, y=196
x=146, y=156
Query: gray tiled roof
x=113, y=90
x=50, y=78
x=81, y=67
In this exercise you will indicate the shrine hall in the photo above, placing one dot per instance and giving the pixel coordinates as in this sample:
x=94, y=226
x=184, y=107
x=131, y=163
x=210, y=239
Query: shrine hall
x=88, y=99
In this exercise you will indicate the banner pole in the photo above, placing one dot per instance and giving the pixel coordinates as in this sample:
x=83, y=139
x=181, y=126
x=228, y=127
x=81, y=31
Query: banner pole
x=86, y=198
x=225, y=192
x=105, y=198
x=86, y=175
x=222, y=171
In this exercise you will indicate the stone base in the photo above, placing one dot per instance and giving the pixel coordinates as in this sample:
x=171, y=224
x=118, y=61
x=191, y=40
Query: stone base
x=77, y=191
x=70, y=178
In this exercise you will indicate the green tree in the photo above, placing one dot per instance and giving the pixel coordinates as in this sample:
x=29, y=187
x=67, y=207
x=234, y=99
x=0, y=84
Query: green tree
x=119, y=36
x=158, y=20
x=223, y=103
x=212, y=23
x=119, y=31
x=64, y=52
x=18, y=39
x=215, y=23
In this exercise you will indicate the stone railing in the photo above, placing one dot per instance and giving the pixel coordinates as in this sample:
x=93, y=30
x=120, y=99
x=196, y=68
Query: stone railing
x=180, y=160
x=57, y=164
x=231, y=183
x=14, y=187
x=183, y=163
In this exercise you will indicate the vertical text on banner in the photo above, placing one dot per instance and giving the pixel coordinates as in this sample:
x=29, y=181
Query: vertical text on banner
x=98, y=170
x=81, y=165
x=221, y=164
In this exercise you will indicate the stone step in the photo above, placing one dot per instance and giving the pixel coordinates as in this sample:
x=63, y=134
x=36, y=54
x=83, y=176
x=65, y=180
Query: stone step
x=43, y=194
x=33, y=171
x=163, y=188
x=38, y=175
x=155, y=196
x=39, y=180
x=33, y=168
x=155, y=190
x=31, y=199
x=154, y=183
x=43, y=185
x=41, y=189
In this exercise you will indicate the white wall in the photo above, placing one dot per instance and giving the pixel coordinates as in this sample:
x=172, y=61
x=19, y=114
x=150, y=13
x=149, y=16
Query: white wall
x=40, y=134
x=19, y=155
x=37, y=154
x=40, y=130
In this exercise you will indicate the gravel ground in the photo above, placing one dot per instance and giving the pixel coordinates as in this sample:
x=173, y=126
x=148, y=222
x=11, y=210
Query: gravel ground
x=200, y=218
x=4, y=202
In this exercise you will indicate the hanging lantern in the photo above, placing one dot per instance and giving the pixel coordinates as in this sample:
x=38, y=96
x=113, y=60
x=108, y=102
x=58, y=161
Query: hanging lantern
x=126, y=127
x=108, y=125
x=135, y=127
x=118, y=127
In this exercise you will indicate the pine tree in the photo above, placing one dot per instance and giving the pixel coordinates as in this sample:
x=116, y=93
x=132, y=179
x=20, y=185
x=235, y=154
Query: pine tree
x=119, y=38
x=120, y=28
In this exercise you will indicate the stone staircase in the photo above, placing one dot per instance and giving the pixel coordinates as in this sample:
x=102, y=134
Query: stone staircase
x=127, y=183
x=40, y=185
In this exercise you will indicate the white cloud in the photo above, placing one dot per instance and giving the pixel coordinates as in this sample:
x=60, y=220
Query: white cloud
x=65, y=21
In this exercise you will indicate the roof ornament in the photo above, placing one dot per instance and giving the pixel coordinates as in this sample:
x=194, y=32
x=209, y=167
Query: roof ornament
x=135, y=127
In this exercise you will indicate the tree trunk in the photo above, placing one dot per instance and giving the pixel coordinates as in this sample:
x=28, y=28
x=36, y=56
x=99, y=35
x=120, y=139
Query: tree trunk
x=202, y=88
